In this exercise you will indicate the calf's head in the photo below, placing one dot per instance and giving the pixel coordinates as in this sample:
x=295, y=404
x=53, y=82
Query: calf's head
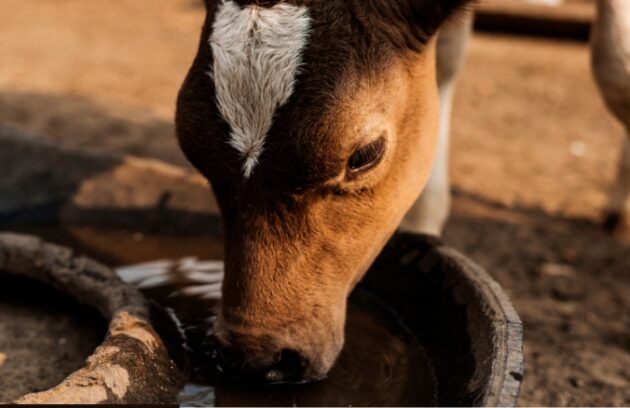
x=316, y=123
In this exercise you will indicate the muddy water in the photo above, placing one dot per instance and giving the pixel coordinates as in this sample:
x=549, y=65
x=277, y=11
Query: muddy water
x=381, y=364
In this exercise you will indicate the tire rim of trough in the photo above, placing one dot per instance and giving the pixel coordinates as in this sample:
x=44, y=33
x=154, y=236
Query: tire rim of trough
x=132, y=365
x=496, y=373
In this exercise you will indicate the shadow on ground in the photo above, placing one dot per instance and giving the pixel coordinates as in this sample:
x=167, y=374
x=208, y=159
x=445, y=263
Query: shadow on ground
x=79, y=122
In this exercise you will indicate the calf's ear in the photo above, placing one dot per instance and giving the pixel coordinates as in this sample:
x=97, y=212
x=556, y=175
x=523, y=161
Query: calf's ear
x=429, y=15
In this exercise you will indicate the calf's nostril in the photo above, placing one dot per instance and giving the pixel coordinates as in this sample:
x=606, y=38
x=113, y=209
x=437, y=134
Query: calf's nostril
x=290, y=368
x=241, y=364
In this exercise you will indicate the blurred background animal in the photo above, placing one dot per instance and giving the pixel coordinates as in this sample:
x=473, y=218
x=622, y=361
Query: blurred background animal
x=610, y=45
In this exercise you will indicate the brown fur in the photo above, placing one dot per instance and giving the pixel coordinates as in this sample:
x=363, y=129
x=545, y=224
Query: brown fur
x=299, y=235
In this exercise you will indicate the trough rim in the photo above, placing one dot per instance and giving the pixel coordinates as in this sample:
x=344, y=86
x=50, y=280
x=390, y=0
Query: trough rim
x=507, y=367
x=105, y=378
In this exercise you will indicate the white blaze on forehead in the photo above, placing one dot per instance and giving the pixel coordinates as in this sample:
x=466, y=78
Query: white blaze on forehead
x=257, y=54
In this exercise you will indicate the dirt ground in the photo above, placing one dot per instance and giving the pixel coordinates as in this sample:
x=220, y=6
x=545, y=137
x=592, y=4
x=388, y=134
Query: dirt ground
x=534, y=155
x=47, y=329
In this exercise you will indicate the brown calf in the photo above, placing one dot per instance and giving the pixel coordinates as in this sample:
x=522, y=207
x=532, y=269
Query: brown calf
x=316, y=123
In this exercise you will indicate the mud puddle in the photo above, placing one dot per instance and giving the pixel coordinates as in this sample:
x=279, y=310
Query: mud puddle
x=382, y=363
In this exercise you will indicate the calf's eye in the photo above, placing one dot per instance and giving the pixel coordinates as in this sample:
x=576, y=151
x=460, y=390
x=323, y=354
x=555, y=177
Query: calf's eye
x=366, y=158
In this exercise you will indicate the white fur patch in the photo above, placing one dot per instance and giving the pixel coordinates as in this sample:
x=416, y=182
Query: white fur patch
x=257, y=54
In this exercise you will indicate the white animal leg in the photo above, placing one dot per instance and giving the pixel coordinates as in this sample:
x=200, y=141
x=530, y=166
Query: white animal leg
x=610, y=42
x=430, y=212
x=621, y=192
